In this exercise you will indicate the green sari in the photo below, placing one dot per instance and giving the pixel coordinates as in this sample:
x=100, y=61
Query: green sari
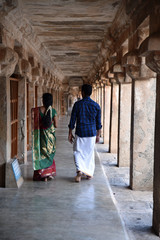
x=43, y=140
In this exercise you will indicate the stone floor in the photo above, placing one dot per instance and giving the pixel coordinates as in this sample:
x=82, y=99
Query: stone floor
x=101, y=209
x=60, y=209
x=135, y=207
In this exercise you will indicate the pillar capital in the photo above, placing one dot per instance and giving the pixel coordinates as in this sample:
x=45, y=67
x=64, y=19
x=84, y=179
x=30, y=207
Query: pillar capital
x=131, y=59
x=150, y=44
x=117, y=68
x=111, y=77
x=97, y=85
x=112, y=80
x=8, y=61
x=120, y=77
x=135, y=66
x=106, y=82
x=112, y=61
x=119, y=74
x=153, y=61
x=109, y=74
x=35, y=74
x=26, y=69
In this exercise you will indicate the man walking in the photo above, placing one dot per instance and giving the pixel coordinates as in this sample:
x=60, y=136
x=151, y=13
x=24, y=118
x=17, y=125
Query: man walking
x=87, y=115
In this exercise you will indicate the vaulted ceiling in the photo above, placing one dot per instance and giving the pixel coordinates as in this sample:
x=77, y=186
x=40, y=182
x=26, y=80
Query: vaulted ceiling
x=71, y=31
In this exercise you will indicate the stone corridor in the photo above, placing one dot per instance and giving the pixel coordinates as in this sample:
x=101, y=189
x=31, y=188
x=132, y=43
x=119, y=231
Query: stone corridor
x=56, y=47
x=62, y=209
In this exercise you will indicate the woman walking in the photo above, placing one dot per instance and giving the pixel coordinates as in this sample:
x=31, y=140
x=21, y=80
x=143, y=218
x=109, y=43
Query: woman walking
x=44, y=122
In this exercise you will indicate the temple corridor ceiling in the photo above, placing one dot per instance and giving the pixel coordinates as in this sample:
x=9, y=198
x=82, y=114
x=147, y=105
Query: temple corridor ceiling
x=71, y=31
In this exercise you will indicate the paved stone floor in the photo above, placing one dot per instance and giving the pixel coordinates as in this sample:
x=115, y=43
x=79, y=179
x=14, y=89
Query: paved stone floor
x=60, y=209
x=101, y=209
x=135, y=207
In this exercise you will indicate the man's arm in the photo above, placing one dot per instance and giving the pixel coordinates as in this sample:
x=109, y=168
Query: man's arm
x=98, y=135
x=70, y=136
x=98, y=125
x=72, y=124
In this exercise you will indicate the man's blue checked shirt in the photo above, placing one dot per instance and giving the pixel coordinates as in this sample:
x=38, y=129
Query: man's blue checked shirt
x=87, y=115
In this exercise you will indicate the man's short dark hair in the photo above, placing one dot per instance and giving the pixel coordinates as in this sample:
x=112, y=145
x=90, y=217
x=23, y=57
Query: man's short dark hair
x=87, y=89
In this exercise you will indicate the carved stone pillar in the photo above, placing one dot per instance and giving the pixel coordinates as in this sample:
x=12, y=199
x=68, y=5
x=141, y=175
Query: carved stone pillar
x=58, y=101
x=124, y=117
x=103, y=109
x=124, y=124
x=8, y=61
x=142, y=122
x=151, y=49
x=31, y=90
x=54, y=97
x=39, y=94
x=25, y=72
x=5, y=129
x=97, y=92
x=22, y=113
x=93, y=96
x=101, y=96
x=114, y=117
x=107, y=110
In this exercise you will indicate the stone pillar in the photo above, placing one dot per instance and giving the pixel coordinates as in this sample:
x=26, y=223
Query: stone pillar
x=22, y=126
x=124, y=124
x=39, y=95
x=102, y=114
x=5, y=126
x=142, y=122
x=97, y=95
x=8, y=61
x=150, y=48
x=102, y=106
x=156, y=183
x=114, y=118
x=58, y=102
x=54, y=98
x=93, y=93
x=31, y=89
x=124, y=116
x=142, y=138
x=107, y=109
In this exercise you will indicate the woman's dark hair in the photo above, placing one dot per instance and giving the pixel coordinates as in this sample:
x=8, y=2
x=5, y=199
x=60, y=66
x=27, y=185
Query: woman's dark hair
x=47, y=101
x=87, y=89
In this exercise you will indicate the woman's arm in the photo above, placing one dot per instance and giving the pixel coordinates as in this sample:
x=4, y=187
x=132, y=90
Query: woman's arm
x=55, y=121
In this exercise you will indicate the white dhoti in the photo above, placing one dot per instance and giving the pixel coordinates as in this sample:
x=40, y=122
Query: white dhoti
x=84, y=154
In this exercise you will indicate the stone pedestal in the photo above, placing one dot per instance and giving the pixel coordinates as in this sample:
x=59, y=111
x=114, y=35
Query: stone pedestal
x=5, y=127
x=142, y=134
x=13, y=176
x=124, y=125
x=107, y=109
x=114, y=118
x=156, y=184
x=22, y=126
